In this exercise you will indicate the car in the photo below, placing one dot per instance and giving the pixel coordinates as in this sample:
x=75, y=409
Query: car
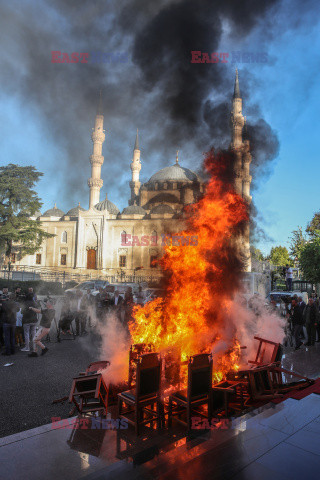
x=92, y=285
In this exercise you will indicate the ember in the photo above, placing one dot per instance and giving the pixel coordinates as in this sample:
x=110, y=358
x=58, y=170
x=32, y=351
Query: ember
x=201, y=280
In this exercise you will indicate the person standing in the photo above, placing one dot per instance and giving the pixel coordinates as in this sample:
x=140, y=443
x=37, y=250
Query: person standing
x=4, y=298
x=116, y=304
x=310, y=316
x=289, y=277
x=48, y=314
x=9, y=309
x=140, y=296
x=29, y=321
x=81, y=314
x=128, y=305
x=297, y=322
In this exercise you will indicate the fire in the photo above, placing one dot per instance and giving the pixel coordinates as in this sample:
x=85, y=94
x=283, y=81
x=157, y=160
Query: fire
x=202, y=279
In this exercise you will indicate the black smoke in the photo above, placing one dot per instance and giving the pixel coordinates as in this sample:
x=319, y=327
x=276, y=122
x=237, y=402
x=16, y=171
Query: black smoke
x=175, y=103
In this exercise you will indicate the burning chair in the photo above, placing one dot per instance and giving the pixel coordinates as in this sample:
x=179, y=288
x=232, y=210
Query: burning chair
x=264, y=379
x=89, y=392
x=135, y=353
x=146, y=393
x=198, y=391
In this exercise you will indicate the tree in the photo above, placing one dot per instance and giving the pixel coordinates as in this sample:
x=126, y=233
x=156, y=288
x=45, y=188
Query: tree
x=18, y=202
x=314, y=226
x=298, y=240
x=256, y=254
x=309, y=259
x=279, y=256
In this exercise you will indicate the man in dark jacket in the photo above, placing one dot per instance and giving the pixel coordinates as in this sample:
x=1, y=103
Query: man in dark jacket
x=297, y=322
x=9, y=309
x=311, y=318
x=29, y=322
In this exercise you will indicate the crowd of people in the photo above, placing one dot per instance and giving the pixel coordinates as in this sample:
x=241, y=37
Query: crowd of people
x=25, y=321
x=304, y=315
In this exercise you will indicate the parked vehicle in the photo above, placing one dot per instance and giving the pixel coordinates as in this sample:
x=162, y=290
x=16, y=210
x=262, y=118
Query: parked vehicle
x=93, y=285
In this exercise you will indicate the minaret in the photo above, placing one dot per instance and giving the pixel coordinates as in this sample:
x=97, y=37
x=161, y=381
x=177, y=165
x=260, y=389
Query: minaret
x=135, y=169
x=241, y=148
x=96, y=159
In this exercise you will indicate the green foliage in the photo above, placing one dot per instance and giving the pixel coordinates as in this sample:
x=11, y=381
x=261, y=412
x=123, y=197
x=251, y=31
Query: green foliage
x=298, y=240
x=309, y=259
x=18, y=201
x=256, y=254
x=279, y=256
x=39, y=286
x=314, y=226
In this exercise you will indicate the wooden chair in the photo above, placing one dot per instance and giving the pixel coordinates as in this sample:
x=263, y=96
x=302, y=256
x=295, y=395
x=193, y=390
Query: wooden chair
x=141, y=400
x=198, y=392
x=89, y=393
x=94, y=367
x=268, y=352
x=135, y=353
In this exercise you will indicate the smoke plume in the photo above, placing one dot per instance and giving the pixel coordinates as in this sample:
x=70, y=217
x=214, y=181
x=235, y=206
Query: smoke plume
x=175, y=103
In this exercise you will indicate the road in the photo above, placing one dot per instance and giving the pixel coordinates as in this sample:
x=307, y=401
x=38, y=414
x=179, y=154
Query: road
x=28, y=387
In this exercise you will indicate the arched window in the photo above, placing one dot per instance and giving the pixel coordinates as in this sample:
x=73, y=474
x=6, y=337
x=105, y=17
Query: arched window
x=123, y=238
x=64, y=237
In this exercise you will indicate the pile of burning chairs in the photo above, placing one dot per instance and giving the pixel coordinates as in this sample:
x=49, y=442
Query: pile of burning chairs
x=145, y=398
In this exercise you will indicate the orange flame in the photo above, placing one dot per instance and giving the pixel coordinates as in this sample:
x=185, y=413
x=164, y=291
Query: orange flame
x=201, y=279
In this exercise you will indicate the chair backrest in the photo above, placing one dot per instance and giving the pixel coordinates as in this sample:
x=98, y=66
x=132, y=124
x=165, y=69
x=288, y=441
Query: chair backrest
x=96, y=366
x=199, y=375
x=148, y=375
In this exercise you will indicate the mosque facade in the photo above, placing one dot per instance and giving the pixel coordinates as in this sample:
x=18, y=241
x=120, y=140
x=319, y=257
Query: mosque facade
x=100, y=237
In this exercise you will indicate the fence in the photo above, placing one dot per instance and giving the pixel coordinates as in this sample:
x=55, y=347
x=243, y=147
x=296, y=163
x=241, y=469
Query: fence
x=54, y=274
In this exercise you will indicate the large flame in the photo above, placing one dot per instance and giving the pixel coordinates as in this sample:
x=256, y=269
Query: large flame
x=202, y=279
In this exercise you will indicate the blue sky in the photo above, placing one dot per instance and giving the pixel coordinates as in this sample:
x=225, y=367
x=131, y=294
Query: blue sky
x=47, y=111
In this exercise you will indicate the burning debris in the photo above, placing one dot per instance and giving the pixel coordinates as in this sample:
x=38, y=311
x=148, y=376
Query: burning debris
x=201, y=281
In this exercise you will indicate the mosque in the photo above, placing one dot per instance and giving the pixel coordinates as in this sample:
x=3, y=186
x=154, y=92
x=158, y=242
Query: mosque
x=95, y=239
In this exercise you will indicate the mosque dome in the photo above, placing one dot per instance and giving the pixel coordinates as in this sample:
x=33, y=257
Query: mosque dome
x=53, y=212
x=134, y=210
x=164, y=208
x=175, y=173
x=107, y=205
x=74, y=212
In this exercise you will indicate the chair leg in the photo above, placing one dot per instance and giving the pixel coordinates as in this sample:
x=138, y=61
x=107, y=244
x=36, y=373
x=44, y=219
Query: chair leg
x=170, y=413
x=189, y=416
x=119, y=407
x=158, y=415
x=136, y=419
x=210, y=408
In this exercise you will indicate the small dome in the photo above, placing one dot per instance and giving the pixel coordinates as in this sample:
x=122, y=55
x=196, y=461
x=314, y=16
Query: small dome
x=74, y=212
x=53, y=212
x=175, y=173
x=134, y=210
x=162, y=209
x=107, y=205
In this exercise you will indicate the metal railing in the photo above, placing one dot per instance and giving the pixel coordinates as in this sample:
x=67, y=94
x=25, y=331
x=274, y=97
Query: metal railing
x=64, y=275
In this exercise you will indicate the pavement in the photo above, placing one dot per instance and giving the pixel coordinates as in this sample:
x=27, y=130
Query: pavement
x=28, y=387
